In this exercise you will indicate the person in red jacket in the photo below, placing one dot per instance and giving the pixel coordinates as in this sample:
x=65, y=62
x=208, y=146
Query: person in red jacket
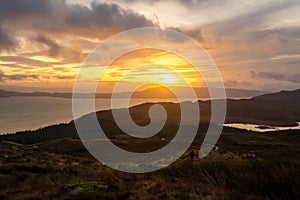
x=192, y=155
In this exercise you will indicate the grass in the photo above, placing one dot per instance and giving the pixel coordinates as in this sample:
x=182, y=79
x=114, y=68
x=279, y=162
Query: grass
x=85, y=190
x=247, y=166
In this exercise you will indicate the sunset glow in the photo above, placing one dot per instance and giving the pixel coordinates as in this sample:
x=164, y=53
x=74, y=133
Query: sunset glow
x=149, y=99
x=151, y=64
x=45, y=50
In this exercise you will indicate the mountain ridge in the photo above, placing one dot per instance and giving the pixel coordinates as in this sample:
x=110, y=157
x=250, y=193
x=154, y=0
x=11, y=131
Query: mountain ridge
x=155, y=92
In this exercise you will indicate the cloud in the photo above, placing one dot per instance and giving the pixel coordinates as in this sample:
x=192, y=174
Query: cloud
x=239, y=84
x=58, y=17
x=294, y=78
x=17, y=77
x=17, y=66
x=55, y=50
x=28, y=8
x=7, y=42
x=46, y=22
x=64, y=77
x=251, y=28
x=105, y=16
x=195, y=4
x=241, y=35
x=194, y=32
x=25, y=61
x=1, y=76
x=186, y=3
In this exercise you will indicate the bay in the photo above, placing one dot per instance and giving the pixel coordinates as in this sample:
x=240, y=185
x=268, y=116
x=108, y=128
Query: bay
x=30, y=113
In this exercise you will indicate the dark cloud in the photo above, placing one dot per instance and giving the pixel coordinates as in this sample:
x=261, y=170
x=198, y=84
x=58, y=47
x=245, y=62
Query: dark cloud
x=54, y=48
x=294, y=78
x=28, y=8
x=149, y=2
x=104, y=16
x=63, y=77
x=195, y=32
x=7, y=42
x=1, y=75
x=17, y=77
x=21, y=76
x=58, y=17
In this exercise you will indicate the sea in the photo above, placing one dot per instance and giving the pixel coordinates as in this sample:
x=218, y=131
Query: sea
x=30, y=113
x=257, y=128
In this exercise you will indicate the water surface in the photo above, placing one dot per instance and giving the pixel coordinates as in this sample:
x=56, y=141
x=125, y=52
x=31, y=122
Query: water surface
x=30, y=113
x=255, y=127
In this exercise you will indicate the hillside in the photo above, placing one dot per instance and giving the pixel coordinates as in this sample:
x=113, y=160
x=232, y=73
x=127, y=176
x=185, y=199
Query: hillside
x=247, y=166
x=278, y=109
x=51, y=163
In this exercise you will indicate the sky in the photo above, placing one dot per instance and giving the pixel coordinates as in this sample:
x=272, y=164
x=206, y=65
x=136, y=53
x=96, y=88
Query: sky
x=255, y=44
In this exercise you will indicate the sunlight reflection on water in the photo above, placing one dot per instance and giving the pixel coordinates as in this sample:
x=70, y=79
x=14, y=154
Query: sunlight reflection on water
x=261, y=128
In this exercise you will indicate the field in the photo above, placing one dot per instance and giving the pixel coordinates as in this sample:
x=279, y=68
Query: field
x=247, y=166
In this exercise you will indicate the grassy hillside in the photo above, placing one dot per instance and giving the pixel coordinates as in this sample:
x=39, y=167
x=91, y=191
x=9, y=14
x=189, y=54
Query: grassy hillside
x=51, y=163
x=247, y=166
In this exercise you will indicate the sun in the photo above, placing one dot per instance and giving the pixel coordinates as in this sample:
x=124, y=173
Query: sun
x=167, y=78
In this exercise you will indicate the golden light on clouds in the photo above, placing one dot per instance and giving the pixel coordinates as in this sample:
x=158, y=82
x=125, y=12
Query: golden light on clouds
x=43, y=44
x=151, y=65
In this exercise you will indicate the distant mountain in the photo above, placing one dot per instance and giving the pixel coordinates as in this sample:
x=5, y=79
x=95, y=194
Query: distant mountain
x=4, y=93
x=288, y=96
x=276, y=109
x=201, y=92
x=281, y=108
x=156, y=92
